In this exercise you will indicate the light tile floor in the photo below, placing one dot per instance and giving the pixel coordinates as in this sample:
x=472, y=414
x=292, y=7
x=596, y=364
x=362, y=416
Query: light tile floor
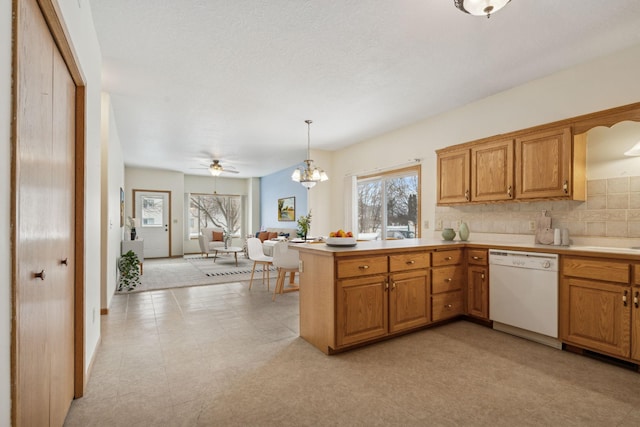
x=224, y=356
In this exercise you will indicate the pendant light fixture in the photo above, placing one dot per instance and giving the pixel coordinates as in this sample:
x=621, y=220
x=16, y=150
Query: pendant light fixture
x=480, y=7
x=309, y=175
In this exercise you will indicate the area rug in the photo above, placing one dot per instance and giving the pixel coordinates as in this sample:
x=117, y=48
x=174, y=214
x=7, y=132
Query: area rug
x=197, y=271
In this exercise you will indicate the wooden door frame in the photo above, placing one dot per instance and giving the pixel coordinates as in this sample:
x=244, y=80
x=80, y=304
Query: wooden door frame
x=60, y=34
x=133, y=208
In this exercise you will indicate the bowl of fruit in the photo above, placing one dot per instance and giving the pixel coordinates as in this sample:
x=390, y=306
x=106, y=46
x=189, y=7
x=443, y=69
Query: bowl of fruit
x=341, y=238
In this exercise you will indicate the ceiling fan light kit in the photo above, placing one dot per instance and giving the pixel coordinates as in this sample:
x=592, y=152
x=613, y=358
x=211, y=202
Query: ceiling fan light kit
x=480, y=7
x=215, y=168
x=309, y=175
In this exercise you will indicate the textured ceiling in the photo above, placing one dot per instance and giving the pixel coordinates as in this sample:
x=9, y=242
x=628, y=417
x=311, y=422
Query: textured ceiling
x=193, y=80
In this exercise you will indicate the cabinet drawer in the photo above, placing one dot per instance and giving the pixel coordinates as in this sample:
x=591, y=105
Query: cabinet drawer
x=636, y=274
x=445, y=279
x=477, y=256
x=446, y=257
x=605, y=270
x=364, y=266
x=410, y=261
x=446, y=305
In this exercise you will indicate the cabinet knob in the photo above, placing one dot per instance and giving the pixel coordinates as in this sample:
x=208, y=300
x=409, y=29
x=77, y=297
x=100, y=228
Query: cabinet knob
x=482, y=276
x=448, y=279
x=393, y=285
x=466, y=195
x=363, y=267
x=449, y=258
x=448, y=306
x=386, y=286
x=41, y=275
x=411, y=262
x=509, y=191
x=635, y=299
x=476, y=258
x=624, y=298
x=565, y=187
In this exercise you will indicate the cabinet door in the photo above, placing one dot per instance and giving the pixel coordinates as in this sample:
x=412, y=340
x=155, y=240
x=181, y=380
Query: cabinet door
x=595, y=315
x=453, y=177
x=478, y=292
x=543, y=165
x=408, y=300
x=446, y=305
x=635, y=322
x=361, y=309
x=492, y=171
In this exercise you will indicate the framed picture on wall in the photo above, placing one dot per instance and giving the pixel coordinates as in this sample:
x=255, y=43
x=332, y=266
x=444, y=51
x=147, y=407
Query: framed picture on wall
x=287, y=209
x=121, y=207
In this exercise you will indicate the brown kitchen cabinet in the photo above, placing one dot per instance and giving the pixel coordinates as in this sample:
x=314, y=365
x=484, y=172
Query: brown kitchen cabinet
x=492, y=171
x=447, y=284
x=371, y=303
x=477, y=284
x=480, y=173
x=551, y=164
x=635, y=314
x=597, y=306
x=453, y=176
x=362, y=309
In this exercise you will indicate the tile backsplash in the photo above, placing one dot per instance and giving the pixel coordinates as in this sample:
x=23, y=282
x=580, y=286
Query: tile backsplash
x=612, y=209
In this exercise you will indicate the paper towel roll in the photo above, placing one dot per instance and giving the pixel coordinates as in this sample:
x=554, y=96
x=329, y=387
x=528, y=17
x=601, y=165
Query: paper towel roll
x=557, y=237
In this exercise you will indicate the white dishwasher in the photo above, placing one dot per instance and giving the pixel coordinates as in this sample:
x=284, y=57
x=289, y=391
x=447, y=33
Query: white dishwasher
x=523, y=294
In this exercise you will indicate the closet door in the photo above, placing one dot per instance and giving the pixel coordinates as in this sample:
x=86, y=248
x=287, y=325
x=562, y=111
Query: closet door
x=45, y=130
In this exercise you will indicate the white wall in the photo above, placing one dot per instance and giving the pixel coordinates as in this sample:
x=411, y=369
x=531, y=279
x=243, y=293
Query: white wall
x=603, y=83
x=5, y=206
x=112, y=182
x=317, y=197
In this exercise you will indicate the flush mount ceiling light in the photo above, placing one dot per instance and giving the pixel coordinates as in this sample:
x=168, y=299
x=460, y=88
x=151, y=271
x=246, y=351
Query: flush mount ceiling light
x=480, y=7
x=634, y=151
x=309, y=175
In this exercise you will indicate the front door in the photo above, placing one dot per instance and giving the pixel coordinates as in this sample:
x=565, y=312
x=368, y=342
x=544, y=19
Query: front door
x=153, y=222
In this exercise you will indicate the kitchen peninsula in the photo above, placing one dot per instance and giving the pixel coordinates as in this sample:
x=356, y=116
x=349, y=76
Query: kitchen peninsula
x=351, y=296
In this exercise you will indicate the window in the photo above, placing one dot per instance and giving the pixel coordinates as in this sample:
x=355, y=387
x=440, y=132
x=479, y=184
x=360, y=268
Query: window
x=388, y=205
x=152, y=211
x=215, y=210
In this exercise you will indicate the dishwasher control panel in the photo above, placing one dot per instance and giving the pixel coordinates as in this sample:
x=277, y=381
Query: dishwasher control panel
x=518, y=259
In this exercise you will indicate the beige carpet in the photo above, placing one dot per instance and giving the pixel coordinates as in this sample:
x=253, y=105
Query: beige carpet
x=196, y=271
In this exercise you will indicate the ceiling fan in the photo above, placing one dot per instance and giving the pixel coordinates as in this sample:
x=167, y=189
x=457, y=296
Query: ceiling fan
x=215, y=168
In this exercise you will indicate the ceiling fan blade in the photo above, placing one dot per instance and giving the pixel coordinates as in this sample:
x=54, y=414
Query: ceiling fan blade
x=230, y=171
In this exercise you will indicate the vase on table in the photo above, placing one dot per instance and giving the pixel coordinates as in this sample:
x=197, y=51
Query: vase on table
x=133, y=234
x=463, y=231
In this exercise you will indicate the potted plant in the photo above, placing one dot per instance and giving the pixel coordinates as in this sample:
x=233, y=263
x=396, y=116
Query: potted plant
x=129, y=268
x=304, y=222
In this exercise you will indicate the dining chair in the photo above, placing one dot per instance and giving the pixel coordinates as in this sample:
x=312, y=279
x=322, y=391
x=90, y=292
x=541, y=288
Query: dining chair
x=286, y=260
x=254, y=248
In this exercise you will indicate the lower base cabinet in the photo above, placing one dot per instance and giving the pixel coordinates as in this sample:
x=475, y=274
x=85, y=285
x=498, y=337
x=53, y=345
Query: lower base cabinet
x=599, y=307
x=362, y=307
x=408, y=300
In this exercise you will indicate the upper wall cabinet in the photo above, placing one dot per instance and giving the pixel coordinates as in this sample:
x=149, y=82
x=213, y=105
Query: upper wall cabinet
x=492, y=171
x=551, y=165
x=481, y=173
x=546, y=162
x=453, y=177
